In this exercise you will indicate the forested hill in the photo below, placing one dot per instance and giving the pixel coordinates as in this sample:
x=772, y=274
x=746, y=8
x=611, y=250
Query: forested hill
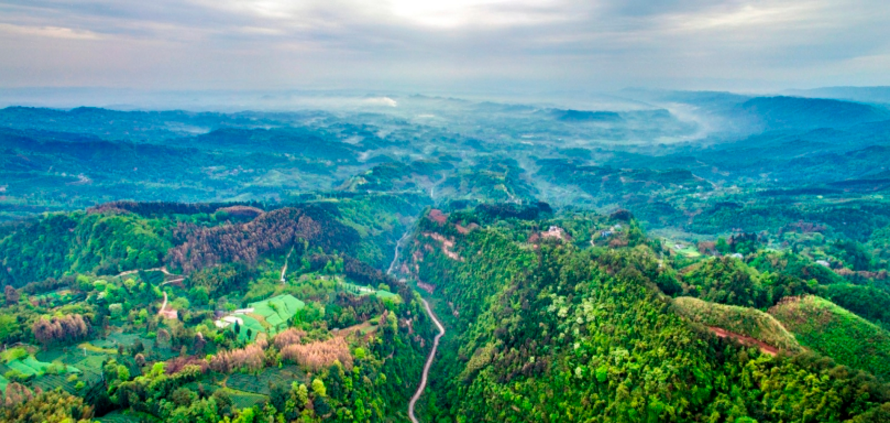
x=210, y=312
x=555, y=322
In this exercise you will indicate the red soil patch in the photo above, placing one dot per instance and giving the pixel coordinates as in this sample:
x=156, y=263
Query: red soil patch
x=745, y=340
x=426, y=287
x=447, y=245
x=437, y=216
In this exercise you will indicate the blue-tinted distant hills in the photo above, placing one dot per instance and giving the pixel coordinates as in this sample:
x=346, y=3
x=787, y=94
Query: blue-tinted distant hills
x=879, y=95
x=742, y=114
x=797, y=112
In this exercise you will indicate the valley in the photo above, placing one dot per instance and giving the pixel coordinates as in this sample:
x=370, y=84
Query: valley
x=501, y=262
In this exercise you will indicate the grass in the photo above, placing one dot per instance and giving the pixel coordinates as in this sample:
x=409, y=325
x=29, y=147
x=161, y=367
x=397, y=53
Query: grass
x=3, y=382
x=50, y=382
x=92, y=363
x=261, y=383
x=125, y=417
x=31, y=366
x=242, y=399
x=269, y=316
x=90, y=347
x=833, y=331
x=689, y=252
x=741, y=320
x=364, y=290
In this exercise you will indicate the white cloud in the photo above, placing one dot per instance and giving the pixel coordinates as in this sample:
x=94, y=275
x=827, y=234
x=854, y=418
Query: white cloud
x=381, y=101
x=48, y=32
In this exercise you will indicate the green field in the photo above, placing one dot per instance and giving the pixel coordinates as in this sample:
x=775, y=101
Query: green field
x=364, y=290
x=689, y=252
x=269, y=316
x=242, y=399
x=120, y=417
x=31, y=366
x=261, y=384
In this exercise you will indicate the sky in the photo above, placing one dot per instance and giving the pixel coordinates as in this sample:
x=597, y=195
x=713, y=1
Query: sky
x=444, y=45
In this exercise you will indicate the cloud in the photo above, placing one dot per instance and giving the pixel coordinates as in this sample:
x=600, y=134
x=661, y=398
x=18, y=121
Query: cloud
x=441, y=44
x=381, y=101
x=48, y=31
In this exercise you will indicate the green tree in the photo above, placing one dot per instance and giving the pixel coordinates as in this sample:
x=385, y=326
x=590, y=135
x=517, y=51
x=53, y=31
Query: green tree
x=319, y=388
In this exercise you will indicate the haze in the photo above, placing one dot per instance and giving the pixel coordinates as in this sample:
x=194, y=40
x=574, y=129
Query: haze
x=443, y=46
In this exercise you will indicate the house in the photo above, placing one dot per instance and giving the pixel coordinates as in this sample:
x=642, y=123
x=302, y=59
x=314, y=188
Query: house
x=555, y=232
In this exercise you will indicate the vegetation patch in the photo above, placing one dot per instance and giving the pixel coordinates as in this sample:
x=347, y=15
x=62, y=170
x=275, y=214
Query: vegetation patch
x=30, y=366
x=745, y=321
x=835, y=332
x=242, y=399
x=365, y=290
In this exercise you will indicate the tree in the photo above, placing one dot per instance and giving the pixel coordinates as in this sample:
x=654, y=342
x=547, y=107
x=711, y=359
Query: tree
x=246, y=415
x=302, y=394
x=163, y=336
x=116, y=309
x=67, y=328
x=123, y=374
x=12, y=296
x=8, y=325
x=723, y=246
x=318, y=388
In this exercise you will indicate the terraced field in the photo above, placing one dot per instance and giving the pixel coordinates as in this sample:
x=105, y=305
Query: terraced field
x=242, y=399
x=118, y=417
x=261, y=384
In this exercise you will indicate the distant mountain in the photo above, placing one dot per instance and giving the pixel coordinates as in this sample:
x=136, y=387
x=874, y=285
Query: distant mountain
x=798, y=112
x=748, y=115
x=586, y=116
x=862, y=94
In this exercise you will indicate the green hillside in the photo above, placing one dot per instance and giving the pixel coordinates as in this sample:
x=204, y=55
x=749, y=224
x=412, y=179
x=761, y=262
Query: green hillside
x=740, y=320
x=547, y=331
x=824, y=327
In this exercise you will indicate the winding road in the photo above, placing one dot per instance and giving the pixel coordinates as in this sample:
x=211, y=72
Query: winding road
x=395, y=258
x=429, y=362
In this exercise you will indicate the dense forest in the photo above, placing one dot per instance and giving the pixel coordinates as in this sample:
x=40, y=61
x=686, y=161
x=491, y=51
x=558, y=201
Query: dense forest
x=550, y=330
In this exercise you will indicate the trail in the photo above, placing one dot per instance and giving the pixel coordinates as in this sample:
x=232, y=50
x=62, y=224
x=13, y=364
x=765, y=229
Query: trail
x=165, y=272
x=163, y=306
x=156, y=269
x=745, y=340
x=429, y=362
x=284, y=268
